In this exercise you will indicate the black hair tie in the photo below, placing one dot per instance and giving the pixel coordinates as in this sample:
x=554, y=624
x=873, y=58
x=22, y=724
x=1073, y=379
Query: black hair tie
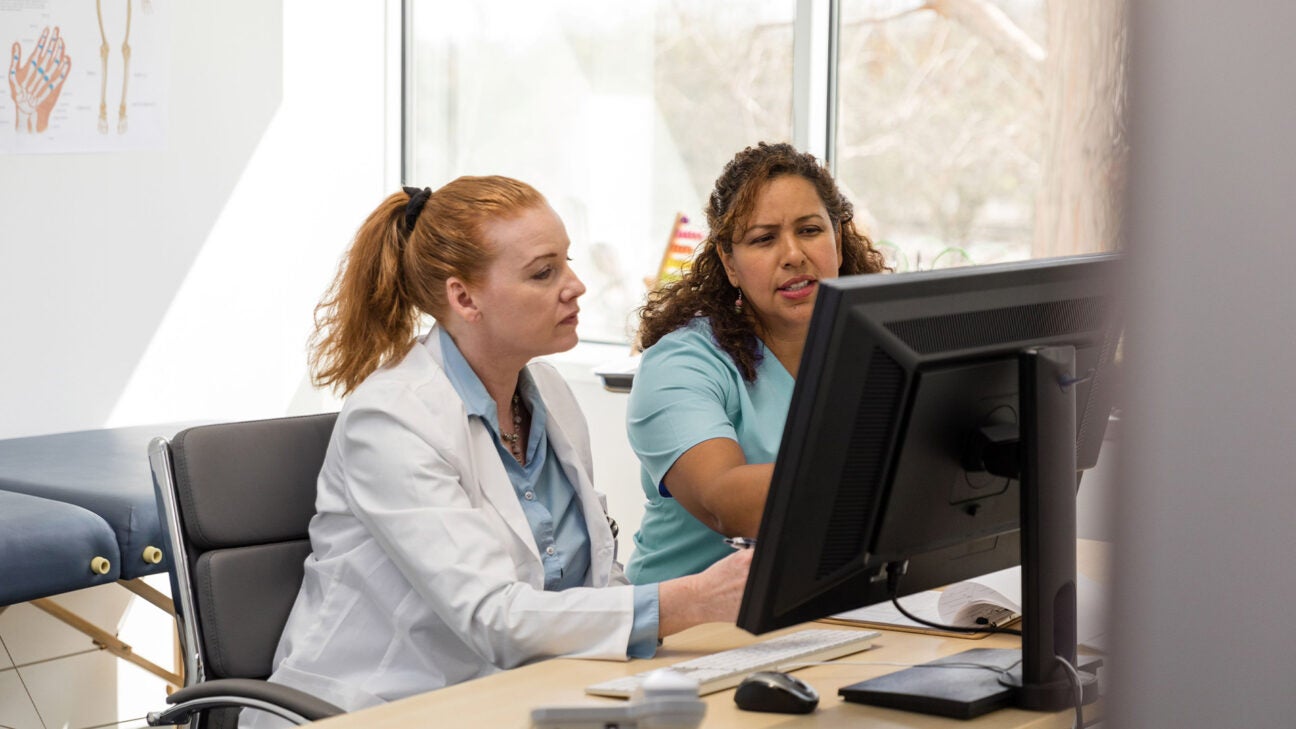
x=417, y=199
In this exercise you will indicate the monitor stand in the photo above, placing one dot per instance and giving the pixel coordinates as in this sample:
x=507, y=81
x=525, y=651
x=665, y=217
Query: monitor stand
x=1045, y=464
x=944, y=688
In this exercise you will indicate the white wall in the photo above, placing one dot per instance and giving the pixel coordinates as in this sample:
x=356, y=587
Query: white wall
x=174, y=285
x=178, y=284
x=1205, y=510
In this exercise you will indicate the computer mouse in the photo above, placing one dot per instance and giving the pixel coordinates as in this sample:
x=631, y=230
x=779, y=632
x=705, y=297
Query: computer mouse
x=776, y=692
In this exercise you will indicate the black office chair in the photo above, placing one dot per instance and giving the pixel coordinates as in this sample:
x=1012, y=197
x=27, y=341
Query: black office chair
x=236, y=501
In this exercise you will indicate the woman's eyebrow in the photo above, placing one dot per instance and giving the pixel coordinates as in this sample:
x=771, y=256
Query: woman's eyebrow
x=761, y=226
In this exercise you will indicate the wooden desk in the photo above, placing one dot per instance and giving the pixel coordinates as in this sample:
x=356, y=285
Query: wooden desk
x=506, y=699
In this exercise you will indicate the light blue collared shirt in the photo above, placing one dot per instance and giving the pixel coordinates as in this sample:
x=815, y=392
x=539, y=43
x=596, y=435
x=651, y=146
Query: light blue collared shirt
x=547, y=496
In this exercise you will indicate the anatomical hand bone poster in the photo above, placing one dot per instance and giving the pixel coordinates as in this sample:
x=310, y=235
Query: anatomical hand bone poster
x=83, y=75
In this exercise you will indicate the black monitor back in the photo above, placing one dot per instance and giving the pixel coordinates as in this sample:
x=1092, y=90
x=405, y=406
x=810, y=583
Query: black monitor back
x=898, y=373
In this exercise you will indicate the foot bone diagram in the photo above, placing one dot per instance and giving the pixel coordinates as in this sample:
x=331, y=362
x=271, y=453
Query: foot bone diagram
x=104, y=50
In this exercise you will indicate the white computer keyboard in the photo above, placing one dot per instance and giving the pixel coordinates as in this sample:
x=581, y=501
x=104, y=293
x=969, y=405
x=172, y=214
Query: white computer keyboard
x=726, y=669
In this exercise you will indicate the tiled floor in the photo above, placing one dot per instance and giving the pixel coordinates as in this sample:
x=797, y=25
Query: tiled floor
x=54, y=677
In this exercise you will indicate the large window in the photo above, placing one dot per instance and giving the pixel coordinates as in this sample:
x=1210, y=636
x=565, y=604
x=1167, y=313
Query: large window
x=966, y=131
x=622, y=114
x=971, y=131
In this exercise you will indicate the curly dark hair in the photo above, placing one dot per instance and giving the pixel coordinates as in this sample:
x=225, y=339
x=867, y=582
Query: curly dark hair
x=705, y=291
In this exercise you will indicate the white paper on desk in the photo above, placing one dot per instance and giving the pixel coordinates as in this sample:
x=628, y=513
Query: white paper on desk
x=958, y=605
x=1003, y=588
x=997, y=597
x=922, y=604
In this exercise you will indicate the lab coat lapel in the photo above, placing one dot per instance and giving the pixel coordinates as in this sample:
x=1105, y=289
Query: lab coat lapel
x=487, y=469
x=494, y=482
x=595, y=511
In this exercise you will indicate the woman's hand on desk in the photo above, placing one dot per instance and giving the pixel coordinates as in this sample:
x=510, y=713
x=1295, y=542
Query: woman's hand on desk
x=710, y=596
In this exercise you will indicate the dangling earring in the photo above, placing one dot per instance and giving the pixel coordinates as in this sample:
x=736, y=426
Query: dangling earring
x=738, y=303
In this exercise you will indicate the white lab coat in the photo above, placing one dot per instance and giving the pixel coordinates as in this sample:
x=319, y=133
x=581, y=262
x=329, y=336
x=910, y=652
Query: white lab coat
x=424, y=571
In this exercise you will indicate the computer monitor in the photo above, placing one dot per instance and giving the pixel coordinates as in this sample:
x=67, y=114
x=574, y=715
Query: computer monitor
x=936, y=432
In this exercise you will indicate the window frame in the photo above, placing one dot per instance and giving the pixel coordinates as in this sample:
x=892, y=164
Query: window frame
x=814, y=80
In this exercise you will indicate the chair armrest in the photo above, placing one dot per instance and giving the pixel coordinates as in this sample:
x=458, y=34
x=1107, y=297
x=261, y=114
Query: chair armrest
x=282, y=701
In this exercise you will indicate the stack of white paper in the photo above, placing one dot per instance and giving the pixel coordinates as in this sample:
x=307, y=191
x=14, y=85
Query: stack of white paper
x=995, y=598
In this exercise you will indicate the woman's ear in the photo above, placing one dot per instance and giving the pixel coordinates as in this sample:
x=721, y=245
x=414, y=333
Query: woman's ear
x=841, y=225
x=726, y=260
x=461, y=300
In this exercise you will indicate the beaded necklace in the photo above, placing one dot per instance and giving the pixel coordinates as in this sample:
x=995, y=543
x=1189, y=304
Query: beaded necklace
x=513, y=439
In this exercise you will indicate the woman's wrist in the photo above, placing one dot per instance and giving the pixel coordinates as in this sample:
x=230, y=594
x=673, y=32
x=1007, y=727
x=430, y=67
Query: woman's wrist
x=679, y=602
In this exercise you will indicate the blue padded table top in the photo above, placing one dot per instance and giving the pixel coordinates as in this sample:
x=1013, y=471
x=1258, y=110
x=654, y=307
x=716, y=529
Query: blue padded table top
x=49, y=547
x=105, y=471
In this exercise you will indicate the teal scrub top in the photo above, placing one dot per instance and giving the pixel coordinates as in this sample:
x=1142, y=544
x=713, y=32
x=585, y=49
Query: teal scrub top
x=687, y=390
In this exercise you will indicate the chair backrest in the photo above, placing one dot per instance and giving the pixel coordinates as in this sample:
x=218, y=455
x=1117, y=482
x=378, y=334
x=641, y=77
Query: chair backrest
x=237, y=499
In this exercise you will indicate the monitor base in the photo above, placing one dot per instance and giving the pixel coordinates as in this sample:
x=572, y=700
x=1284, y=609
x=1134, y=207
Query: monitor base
x=966, y=693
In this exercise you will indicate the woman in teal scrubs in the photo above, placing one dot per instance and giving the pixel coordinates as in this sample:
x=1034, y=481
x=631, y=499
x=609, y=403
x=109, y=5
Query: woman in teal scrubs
x=721, y=350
